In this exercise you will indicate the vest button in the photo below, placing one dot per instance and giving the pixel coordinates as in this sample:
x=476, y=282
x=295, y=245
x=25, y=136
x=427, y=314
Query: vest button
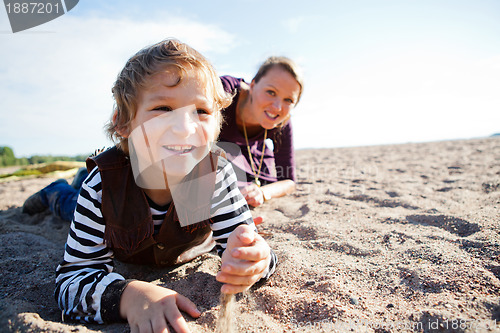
x=161, y=246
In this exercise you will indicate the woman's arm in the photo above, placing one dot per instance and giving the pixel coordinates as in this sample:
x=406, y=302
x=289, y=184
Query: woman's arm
x=284, y=154
x=256, y=196
x=284, y=158
x=278, y=189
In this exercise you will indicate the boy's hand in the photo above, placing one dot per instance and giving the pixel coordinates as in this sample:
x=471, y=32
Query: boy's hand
x=253, y=195
x=244, y=261
x=148, y=308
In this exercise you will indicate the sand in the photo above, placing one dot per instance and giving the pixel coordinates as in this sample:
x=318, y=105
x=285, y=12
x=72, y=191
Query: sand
x=395, y=238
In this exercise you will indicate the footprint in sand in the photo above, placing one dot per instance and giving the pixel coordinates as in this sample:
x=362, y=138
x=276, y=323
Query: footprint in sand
x=293, y=211
x=451, y=224
x=381, y=202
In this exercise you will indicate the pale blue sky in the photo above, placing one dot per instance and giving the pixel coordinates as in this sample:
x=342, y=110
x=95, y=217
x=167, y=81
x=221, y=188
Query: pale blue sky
x=376, y=72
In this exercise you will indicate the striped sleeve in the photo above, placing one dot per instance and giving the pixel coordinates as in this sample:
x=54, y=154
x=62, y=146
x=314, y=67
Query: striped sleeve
x=230, y=209
x=86, y=269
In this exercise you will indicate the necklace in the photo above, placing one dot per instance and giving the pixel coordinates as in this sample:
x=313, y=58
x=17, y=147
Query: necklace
x=256, y=175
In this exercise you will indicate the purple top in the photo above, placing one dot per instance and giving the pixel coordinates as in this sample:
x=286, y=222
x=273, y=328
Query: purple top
x=278, y=163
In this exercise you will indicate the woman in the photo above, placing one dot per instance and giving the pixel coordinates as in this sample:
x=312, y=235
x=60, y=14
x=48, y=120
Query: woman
x=258, y=115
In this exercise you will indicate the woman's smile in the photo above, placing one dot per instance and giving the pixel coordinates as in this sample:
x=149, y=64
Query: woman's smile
x=271, y=116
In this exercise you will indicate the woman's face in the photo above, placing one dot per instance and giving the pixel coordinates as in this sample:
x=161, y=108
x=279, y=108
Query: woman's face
x=273, y=97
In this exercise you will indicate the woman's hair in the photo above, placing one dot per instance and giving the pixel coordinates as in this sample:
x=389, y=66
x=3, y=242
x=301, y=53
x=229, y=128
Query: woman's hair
x=134, y=76
x=287, y=65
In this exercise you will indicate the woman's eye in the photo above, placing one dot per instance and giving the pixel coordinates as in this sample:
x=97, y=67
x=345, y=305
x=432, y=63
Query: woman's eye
x=289, y=101
x=162, y=108
x=272, y=93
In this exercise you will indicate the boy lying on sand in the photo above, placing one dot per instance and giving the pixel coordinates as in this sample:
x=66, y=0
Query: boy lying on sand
x=162, y=196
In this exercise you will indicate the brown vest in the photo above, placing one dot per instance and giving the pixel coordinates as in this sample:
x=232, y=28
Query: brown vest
x=129, y=224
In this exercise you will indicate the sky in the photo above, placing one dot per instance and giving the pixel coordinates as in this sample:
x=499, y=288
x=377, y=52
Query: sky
x=375, y=71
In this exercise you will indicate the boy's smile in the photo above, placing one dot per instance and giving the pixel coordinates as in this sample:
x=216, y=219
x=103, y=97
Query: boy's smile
x=179, y=149
x=174, y=126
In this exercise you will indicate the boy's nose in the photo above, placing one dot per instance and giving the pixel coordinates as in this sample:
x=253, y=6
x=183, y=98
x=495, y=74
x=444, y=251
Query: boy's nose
x=183, y=124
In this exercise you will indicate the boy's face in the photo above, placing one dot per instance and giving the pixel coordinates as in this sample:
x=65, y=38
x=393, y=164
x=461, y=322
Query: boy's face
x=174, y=126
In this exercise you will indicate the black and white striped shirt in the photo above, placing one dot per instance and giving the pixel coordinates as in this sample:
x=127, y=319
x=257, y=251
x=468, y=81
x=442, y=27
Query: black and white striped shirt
x=87, y=268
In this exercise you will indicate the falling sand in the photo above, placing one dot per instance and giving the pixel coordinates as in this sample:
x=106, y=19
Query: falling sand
x=225, y=323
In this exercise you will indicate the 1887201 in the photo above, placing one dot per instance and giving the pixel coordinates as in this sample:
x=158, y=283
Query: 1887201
x=33, y=8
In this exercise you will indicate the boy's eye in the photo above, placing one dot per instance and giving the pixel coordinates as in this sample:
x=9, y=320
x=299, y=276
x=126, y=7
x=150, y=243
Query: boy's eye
x=162, y=108
x=272, y=93
x=289, y=100
x=202, y=111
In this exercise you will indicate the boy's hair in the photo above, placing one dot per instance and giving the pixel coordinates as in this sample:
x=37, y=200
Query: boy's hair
x=148, y=61
x=287, y=65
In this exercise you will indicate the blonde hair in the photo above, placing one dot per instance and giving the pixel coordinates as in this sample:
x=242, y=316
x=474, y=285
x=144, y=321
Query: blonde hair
x=148, y=61
x=287, y=65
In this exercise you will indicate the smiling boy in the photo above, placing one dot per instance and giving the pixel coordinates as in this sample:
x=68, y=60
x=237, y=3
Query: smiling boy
x=166, y=119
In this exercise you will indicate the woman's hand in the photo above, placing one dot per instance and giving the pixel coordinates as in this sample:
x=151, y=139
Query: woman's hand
x=148, y=308
x=244, y=261
x=253, y=195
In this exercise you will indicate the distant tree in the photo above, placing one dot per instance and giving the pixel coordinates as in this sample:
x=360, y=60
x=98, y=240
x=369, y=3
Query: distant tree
x=23, y=161
x=81, y=158
x=7, y=156
x=35, y=159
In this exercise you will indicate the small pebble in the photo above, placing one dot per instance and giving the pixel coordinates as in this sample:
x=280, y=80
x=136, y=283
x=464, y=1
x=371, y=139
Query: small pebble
x=310, y=283
x=354, y=301
x=390, y=306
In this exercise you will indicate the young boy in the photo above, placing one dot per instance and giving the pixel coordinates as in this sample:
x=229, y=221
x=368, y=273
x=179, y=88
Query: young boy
x=167, y=117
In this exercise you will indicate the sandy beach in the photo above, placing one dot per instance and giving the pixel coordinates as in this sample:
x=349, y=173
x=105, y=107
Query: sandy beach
x=395, y=238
